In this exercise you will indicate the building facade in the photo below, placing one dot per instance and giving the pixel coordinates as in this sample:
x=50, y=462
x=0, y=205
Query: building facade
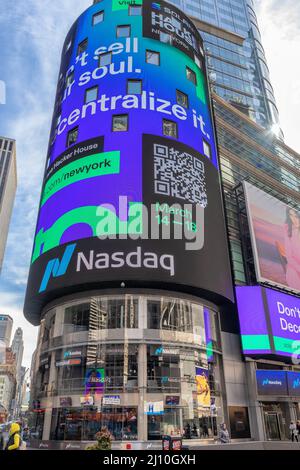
x=8, y=384
x=130, y=333
x=18, y=349
x=8, y=186
x=236, y=62
x=260, y=177
x=6, y=324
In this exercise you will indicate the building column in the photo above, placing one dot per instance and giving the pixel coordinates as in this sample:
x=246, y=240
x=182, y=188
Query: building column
x=49, y=400
x=142, y=387
x=256, y=418
x=47, y=424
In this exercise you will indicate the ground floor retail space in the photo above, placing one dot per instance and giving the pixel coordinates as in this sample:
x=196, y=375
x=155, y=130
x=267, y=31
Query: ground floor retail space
x=277, y=417
x=124, y=423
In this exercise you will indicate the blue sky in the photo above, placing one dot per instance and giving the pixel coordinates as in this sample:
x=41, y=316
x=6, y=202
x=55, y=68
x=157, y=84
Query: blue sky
x=31, y=37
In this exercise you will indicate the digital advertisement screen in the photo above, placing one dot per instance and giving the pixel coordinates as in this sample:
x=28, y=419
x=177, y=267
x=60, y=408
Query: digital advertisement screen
x=94, y=381
x=271, y=382
x=269, y=321
x=275, y=229
x=131, y=190
x=293, y=379
x=203, y=388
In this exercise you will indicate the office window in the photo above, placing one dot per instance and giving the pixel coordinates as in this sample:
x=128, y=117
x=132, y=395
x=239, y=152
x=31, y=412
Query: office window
x=134, y=87
x=82, y=47
x=165, y=37
x=152, y=57
x=91, y=94
x=135, y=10
x=190, y=75
x=206, y=149
x=170, y=128
x=70, y=79
x=120, y=123
x=72, y=136
x=98, y=18
x=123, y=31
x=198, y=62
x=182, y=99
x=105, y=59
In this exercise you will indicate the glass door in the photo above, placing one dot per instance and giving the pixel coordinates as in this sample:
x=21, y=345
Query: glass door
x=272, y=426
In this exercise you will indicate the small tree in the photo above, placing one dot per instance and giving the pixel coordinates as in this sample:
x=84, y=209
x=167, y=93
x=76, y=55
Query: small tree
x=103, y=438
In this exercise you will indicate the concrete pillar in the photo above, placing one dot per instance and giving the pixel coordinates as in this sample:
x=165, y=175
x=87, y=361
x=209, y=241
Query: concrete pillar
x=256, y=418
x=48, y=412
x=47, y=424
x=142, y=387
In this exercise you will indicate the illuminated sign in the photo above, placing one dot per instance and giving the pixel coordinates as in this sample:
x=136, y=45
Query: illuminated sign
x=274, y=228
x=95, y=381
x=203, y=388
x=111, y=400
x=271, y=382
x=154, y=408
x=293, y=379
x=269, y=321
x=68, y=362
x=132, y=155
x=87, y=401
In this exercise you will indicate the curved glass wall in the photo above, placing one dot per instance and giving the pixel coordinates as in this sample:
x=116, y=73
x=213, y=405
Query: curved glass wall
x=141, y=365
x=238, y=73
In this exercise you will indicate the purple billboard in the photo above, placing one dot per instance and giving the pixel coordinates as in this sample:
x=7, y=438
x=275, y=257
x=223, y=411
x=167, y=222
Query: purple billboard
x=269, y=321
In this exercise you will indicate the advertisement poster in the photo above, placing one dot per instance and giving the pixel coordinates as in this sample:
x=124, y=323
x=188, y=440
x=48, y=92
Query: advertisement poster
x=94, y=381
x=269, y=321
x=275, y=236
x=203, y=388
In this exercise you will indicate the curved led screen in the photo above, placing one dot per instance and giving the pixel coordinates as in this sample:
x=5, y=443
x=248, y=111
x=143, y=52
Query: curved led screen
x=131, y=191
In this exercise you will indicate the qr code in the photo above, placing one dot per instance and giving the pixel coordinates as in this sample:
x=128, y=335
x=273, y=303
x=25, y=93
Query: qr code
x=179, y=174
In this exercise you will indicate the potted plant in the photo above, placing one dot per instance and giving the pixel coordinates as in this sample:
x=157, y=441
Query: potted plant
x=103, y=438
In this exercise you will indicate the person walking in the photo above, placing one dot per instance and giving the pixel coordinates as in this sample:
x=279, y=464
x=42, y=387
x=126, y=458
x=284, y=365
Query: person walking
x=14, y=441
x=224, y=437
x=298, y=430
x=1, y=440
x=293, y=429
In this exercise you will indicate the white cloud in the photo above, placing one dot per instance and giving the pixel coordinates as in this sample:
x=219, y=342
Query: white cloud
x=279, y=23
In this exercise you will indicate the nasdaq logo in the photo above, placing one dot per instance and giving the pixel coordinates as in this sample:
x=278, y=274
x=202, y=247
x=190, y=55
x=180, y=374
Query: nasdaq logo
x=56, y=267
x=296, y=383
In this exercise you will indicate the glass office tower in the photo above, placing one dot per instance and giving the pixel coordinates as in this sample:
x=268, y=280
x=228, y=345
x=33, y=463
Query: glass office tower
x=236, y=63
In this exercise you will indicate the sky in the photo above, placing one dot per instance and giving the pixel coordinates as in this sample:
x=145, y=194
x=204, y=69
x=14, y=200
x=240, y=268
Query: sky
x=32, y=33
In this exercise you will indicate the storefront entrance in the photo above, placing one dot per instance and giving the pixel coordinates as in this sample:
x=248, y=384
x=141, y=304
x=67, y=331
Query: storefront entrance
x=275, y=421
x=272, y=426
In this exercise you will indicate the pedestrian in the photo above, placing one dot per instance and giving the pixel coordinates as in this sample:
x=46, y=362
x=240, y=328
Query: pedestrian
x=26, y=434
x=14, y=442
x=224, y=437
x=293, y=430
x=188, y=431
x=1, y=440
x=298, y=430
x=205, y=430
x=195, y=430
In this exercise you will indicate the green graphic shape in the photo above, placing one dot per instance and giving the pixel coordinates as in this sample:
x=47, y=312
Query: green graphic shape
x=124, y=4
x=286, y=345
x=99, y=164
x=102, y=221
x=255, y=342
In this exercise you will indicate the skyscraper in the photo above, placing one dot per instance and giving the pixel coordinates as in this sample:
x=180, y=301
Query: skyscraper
x=8, y=186
x=236, y=62
x=129, y=315
x=6, y=324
